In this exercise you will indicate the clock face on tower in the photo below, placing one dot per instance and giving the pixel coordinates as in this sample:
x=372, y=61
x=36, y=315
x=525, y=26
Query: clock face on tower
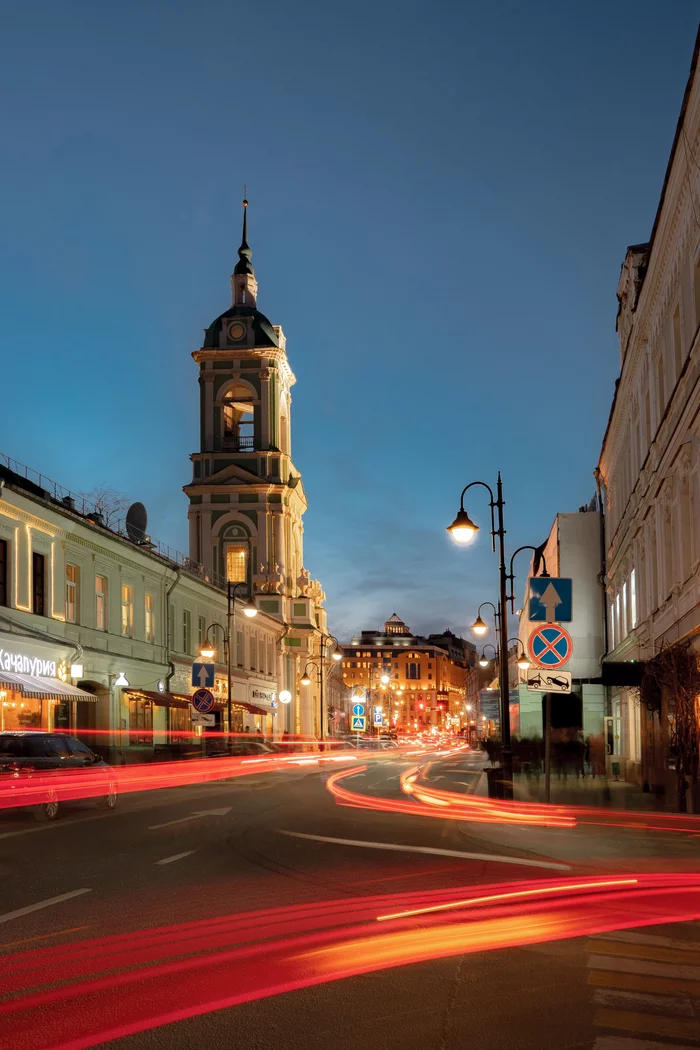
x=236, y=331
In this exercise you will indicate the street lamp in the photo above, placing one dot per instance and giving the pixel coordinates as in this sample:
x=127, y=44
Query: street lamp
x=480, y=626
x=336, y=656
x=483, y=659
x=207, y=650
x=462, y=531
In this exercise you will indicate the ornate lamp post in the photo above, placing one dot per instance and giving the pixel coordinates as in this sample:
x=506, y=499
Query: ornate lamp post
x=207, y=648
x=336, y=655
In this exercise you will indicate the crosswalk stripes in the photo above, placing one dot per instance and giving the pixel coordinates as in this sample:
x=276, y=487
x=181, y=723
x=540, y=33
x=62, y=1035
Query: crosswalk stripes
x=643, y=990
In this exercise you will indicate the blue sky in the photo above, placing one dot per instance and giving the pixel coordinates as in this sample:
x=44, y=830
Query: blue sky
x=441, y=198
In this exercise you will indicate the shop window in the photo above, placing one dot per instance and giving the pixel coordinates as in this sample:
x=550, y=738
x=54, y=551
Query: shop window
x=38, y=584
x=150, y=617
x=72, y=593
x=140, y=722
x=127, y=611
x=4, y=565
x=236, y=557
x=101, y=603
x=179, y=725
x=186, y=631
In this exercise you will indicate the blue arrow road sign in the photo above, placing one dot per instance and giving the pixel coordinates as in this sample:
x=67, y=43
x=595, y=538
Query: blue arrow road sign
x=550, y=645
x=551, y=599
x=358, y=723
x=203, y=674
x=203, y=701
x=358, y=709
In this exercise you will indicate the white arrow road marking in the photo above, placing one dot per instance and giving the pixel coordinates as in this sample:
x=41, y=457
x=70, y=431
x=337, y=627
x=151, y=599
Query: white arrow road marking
x=193, y=816
x=496, y=859
x=176, y=856
x=41, y=904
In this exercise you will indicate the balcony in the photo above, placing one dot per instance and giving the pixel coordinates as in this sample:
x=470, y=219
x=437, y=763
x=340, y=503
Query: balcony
x=238, y=443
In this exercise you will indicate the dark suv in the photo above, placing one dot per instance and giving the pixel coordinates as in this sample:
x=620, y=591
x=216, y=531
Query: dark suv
x=29, y=755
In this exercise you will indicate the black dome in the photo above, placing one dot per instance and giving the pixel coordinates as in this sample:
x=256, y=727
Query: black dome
x=263, y=332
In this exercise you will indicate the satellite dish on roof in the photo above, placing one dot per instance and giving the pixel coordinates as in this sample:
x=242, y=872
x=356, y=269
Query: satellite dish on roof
x=136, y=522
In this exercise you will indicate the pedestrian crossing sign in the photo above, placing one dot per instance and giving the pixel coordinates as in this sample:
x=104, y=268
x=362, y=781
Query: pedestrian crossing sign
x=359, y=723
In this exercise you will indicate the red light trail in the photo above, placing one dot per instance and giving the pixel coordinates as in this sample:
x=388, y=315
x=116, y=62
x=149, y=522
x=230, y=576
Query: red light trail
x=117, y=986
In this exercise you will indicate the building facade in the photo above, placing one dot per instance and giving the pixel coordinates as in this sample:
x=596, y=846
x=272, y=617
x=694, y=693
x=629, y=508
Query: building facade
x=649, y=467
x=98, y=632
x=246, y=498
x=420, y=683
x=572, y=550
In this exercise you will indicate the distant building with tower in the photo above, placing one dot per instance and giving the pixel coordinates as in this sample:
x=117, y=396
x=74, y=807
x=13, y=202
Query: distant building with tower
x=419, y=682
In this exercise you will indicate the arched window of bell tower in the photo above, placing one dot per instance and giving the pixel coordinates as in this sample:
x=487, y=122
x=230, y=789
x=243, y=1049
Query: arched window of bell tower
x=238, y=419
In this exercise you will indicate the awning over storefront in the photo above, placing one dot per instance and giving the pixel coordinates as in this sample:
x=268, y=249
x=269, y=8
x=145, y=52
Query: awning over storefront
x=159, y=699
x=44, y=688
x=250, y=707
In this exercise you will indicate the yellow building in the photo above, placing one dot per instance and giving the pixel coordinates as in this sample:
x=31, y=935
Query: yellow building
x=419, y=683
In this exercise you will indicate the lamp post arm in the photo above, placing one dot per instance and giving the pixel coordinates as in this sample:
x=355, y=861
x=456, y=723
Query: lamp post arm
x=511, y=574
x=493, y=503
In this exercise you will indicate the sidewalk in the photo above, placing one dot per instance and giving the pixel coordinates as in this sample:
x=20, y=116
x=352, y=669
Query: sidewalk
x=587, y=791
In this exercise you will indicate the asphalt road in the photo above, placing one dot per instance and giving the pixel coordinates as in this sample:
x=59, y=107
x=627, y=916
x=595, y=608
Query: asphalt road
x=279, y=841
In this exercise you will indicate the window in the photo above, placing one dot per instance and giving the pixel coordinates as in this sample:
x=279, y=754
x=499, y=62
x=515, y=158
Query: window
x=633, y=599
x=270, y=656
x=127, y=611
x=660, y=392
x=253, y=651
x=72, y=581
x=140, y=722
x=150, y=611
x=171, y=627
x=186, y=630
x=3, y=572
x=201, y=630
x=623, y=619
x=101, y=603
x=236, y=563
x=612, y=625
x=677, y=343
x=618, y=635
x=78, y=749
x=430, y=676
x=412, y=670
x=240, y=648
x=38, y=584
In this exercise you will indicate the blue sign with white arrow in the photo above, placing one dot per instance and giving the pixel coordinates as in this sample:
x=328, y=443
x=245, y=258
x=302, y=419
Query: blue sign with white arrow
x=203, y=674
x=551, y=599
x=358, y=709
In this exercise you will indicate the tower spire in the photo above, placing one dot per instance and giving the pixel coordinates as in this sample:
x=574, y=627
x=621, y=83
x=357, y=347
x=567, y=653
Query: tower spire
x=244, y=264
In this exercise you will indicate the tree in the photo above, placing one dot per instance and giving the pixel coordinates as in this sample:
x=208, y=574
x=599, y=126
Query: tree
x=670, y=690
x=111, y=504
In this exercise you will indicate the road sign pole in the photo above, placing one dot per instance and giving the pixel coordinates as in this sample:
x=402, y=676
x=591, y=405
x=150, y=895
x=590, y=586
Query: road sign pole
x=547, y=746
x=230, y=615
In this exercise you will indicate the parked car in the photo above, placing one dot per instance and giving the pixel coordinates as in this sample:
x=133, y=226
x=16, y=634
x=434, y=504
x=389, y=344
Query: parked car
x=33, y=754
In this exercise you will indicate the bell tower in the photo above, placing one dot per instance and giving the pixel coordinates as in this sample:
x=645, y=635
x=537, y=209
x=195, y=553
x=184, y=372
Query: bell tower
x=246, y=497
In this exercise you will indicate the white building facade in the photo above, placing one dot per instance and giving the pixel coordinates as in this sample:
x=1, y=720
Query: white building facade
x=572, y=550
x=649, y=468
x=98, y=633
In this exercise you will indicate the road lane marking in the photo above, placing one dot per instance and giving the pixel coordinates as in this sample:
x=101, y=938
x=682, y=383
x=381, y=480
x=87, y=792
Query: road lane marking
x=176, y=856
x=652, y=952
x=647, y=1024
x=641, y=983
x=617, y=964
x=615, y=1042
x=613, y=998
x=41, y=904
x=490, y=857
x=194, y=816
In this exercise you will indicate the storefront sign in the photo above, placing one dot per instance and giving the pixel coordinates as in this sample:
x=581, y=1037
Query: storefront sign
x=22, y=664
x=260, y=694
